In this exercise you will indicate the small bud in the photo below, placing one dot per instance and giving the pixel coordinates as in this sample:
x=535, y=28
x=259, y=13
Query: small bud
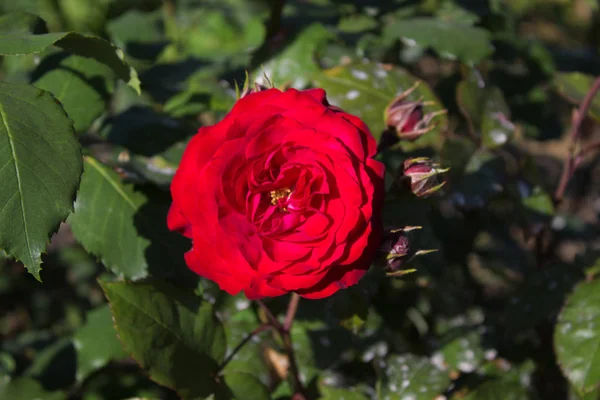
x=248, y=89
x=423, y=174
x=401, y=251
x=407, y=117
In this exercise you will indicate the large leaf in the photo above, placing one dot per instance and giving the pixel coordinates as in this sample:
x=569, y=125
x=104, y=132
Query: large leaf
x=577, y=337
x=449, y=39
x=40, y=169
x=365, y=89
x=412, y=377
x=96, y=343
x=15, y=40
x=295, y=65
x=26, y=388
x=174, y=336
x=103, y=221
x=79, y=84
x=574, y=86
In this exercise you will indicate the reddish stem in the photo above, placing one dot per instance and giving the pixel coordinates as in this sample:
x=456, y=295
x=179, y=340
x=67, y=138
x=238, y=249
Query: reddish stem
x=573, y=160
x=285, y=334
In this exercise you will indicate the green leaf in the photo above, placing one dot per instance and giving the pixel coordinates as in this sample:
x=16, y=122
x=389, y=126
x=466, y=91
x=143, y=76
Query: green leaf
x=76, y=84
x=577, y=337
x=332, y=393
x=449, y=39
x=172, y=334
x=96, y=343
x=15, y=41
x=246, y=386
x=498, y=390
x=103, y=221
x=411, y=377
x=229, y=29
x=574, y=86
x=140, y=34
x=295, y=65
x=365, y=90
x=40, y=171
x=26, y=388
x=19, y=22
x=485, y=109
x=463, y=351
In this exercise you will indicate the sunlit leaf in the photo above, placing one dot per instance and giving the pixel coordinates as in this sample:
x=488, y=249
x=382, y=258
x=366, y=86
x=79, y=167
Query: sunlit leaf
x=40, y=171
x=577, y=337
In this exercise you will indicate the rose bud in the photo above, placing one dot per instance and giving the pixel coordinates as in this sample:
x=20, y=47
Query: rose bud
x=282, y=195
x=402, y=251
x=407, y=118
x=423, y=174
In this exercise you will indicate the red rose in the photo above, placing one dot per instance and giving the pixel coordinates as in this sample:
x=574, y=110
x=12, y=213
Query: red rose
x=280, y=196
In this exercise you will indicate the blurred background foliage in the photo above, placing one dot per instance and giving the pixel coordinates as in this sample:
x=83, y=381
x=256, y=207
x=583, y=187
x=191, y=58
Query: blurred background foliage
x=480, y=317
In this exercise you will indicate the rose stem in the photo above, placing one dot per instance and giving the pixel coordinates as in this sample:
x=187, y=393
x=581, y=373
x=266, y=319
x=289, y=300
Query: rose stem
x=572, y=161
x=284, y=332
x=237, y=348
x=289, y=348
x=270, y=317
x=291, y=311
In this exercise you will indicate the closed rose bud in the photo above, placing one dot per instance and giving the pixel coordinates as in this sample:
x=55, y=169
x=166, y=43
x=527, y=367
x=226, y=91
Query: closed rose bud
x=399, y=253
x=407, y=118
x=423, y=174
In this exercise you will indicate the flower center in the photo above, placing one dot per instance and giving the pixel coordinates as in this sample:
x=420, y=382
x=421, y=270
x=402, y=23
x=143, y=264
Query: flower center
x=279, y=197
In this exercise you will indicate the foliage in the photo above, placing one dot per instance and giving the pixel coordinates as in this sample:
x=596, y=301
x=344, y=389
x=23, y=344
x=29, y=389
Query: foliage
x=99, y=98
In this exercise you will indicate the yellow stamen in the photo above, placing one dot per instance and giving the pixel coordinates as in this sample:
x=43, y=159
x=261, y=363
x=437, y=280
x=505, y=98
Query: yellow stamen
x=279, y=194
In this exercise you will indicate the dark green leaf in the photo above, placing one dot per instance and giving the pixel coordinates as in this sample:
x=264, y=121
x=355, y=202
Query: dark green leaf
x=498, y=390
x=26, y=388
x=96, y=343
x=103, y=221
x=78, y=83
x=366, y=89
x=540, y=296
x=41, y=167
x=16, y=41
x=412, y=377
x=172, y=334
x=450, y=40
x=577, y=337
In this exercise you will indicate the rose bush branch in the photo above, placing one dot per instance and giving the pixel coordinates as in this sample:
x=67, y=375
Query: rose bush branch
x=574, y=158
x=244, y=341
x=285, y=334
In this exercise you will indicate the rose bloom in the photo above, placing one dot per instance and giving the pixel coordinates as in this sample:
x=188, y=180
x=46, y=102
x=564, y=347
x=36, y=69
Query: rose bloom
x=280, y=196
